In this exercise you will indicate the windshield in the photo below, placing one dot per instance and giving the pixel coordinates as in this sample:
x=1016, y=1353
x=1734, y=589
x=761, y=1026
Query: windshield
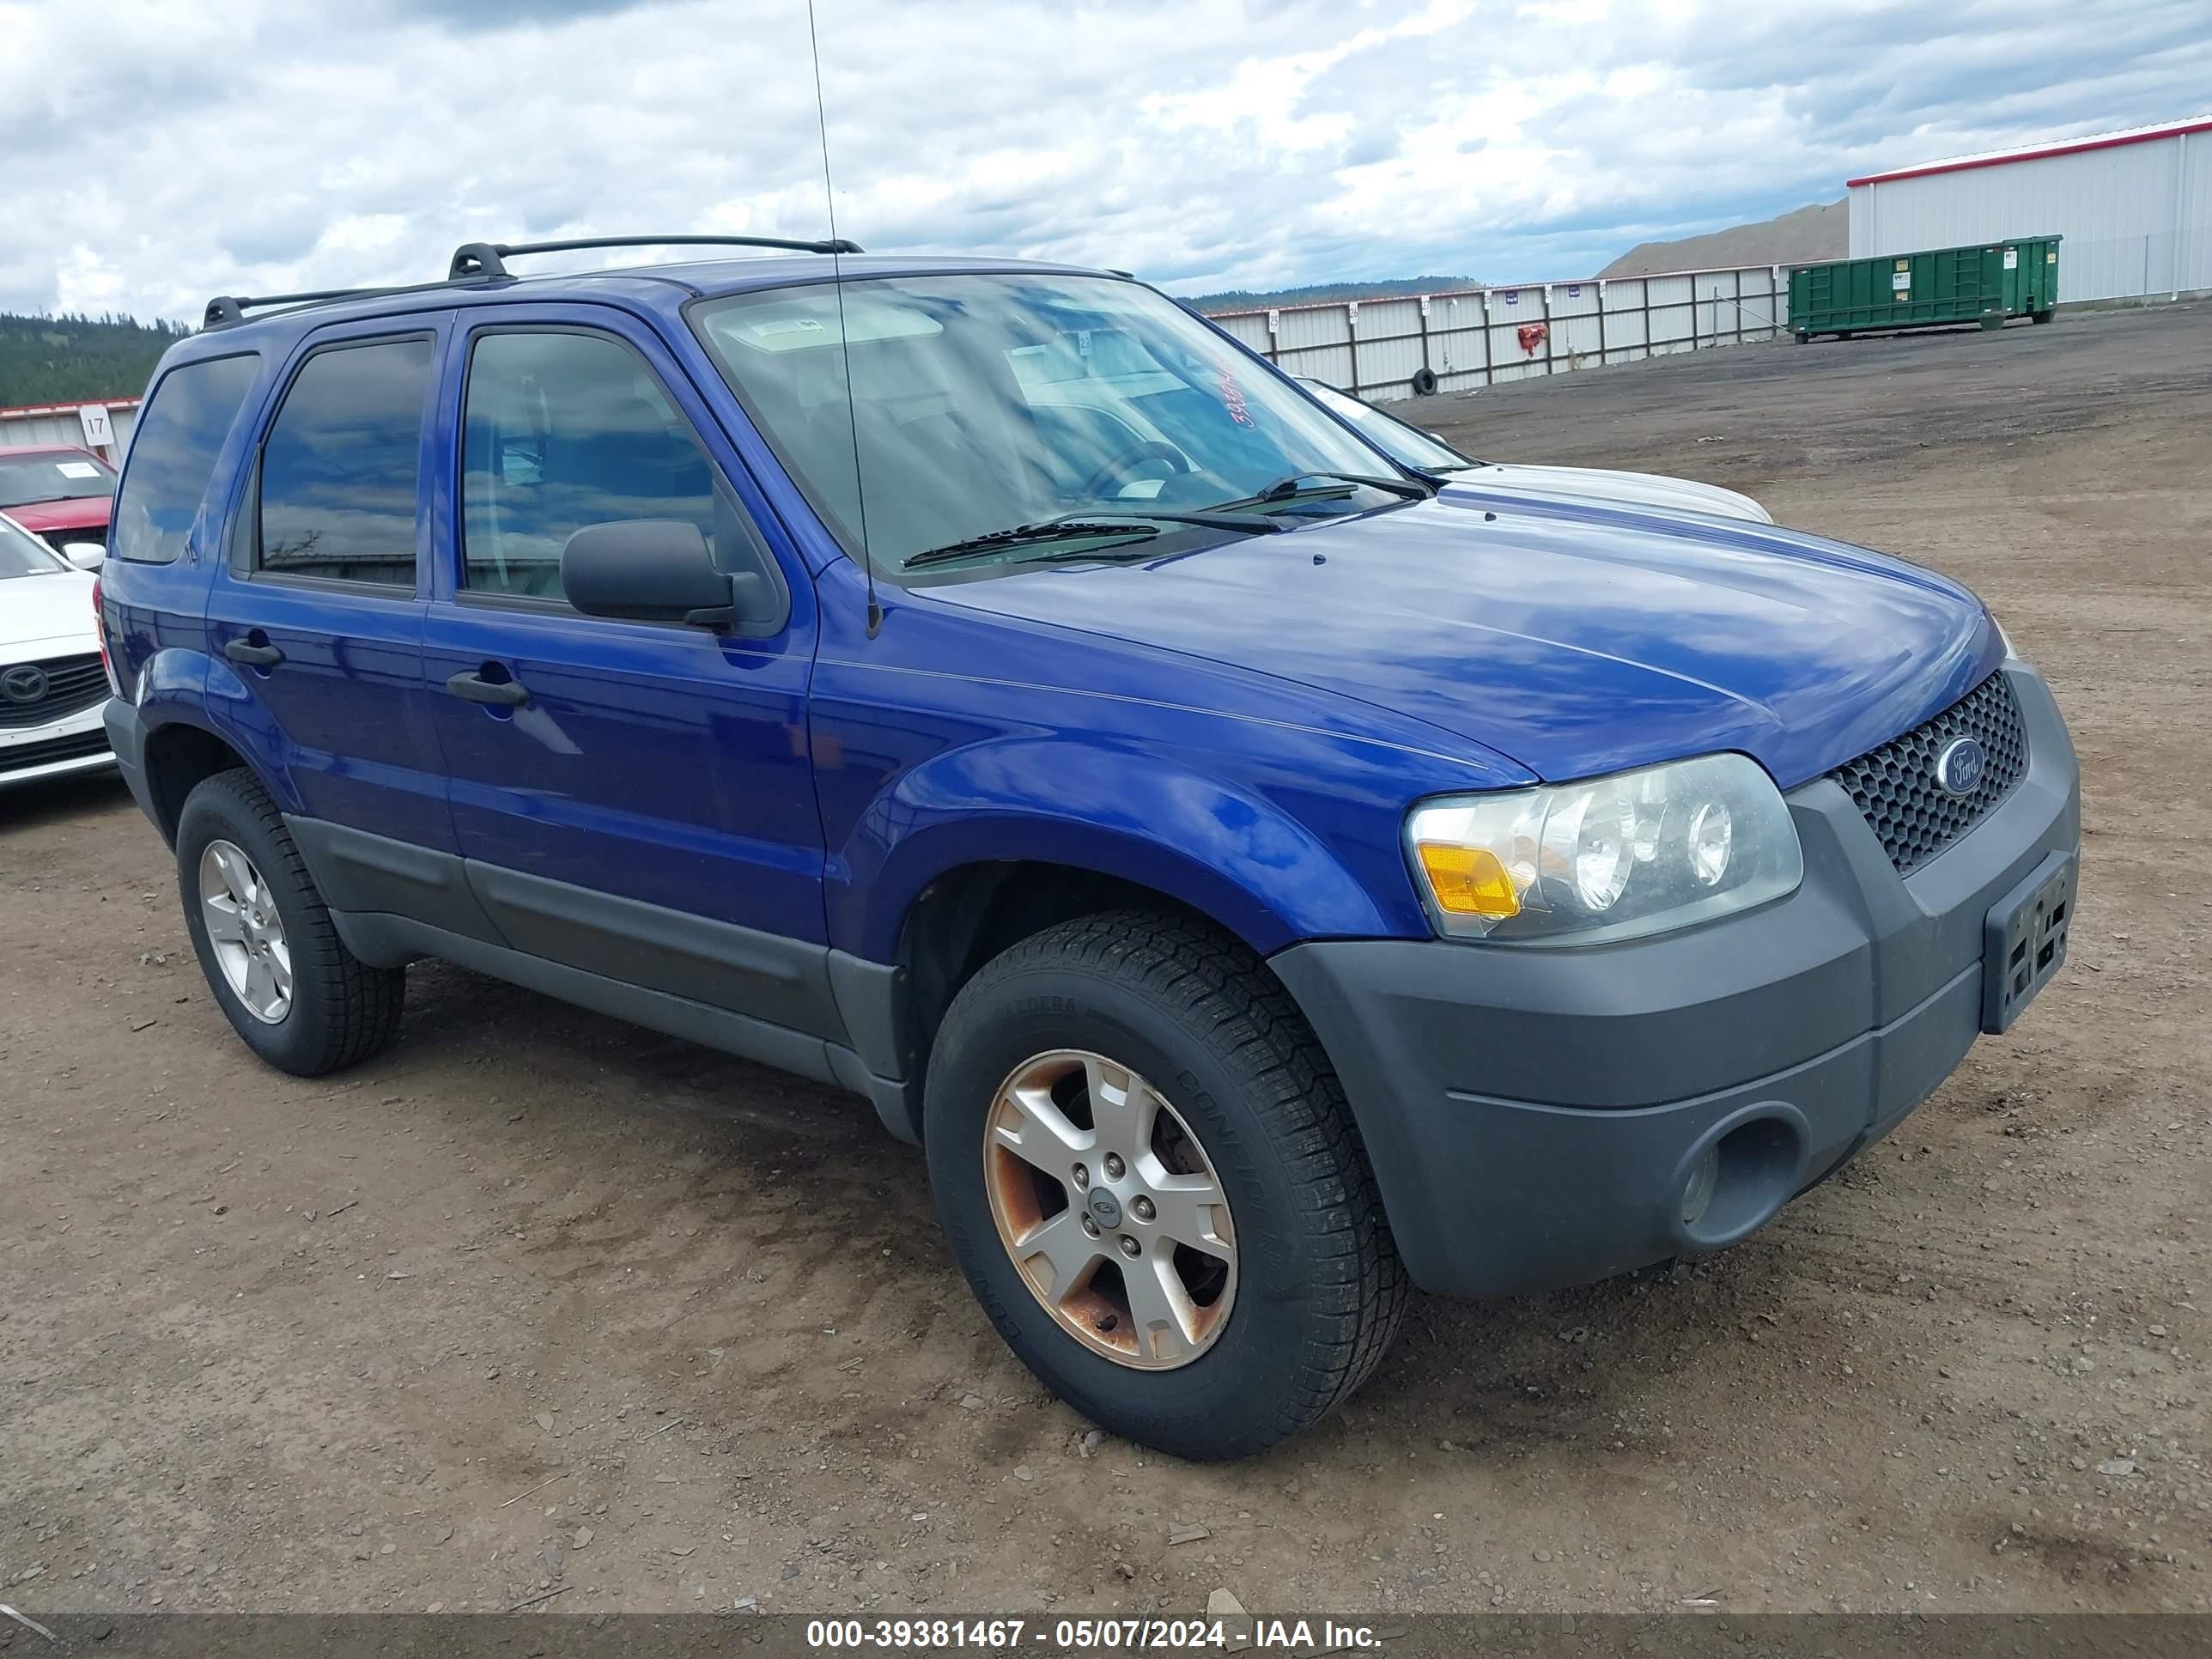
x=60, y=475
x=1408, y=446
x=985, y=403
x=22, y=553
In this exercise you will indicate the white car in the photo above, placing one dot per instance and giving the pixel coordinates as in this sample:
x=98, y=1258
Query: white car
x=1429, y=455
x=52, y=684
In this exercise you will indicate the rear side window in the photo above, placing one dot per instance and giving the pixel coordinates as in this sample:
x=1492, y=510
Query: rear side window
x=172, y=452
x=563, y=429
x=340, y=465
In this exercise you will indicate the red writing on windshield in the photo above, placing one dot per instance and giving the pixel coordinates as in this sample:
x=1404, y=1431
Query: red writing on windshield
x=1232, y=399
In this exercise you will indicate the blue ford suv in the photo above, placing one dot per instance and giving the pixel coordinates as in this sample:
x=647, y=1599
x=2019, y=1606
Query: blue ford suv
x=1263, y=880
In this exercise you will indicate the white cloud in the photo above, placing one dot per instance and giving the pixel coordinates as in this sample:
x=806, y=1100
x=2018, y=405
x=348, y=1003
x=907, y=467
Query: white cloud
x=157, y=153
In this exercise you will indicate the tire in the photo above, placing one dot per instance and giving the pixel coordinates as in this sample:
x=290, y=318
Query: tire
x=339, y=1010
x=1316, y=1290
x=1425, y=383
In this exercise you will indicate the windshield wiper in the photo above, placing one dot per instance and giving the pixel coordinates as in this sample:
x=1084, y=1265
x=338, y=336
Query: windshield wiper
x=1014, y=536
x=1295, y=489
x=1130, y=526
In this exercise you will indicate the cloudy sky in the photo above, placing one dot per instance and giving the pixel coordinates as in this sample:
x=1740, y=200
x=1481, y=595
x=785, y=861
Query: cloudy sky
x=152, y=153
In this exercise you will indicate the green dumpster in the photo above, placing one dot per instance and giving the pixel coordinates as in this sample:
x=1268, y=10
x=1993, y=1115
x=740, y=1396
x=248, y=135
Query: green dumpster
x=1984, y=283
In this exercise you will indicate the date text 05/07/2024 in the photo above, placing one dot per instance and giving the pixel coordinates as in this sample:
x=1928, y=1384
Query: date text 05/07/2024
x=1088, y=1635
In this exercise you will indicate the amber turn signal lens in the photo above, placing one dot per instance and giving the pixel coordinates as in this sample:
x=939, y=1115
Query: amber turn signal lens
x=1469, y=881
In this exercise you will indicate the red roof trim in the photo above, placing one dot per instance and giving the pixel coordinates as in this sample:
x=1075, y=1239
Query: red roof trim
x=2075, y=148
x=25, y=412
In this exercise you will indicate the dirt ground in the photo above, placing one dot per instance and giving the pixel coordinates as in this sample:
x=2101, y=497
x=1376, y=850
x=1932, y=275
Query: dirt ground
x=538, y=1303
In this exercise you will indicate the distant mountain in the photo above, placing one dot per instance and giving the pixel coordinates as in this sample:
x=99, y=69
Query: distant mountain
x=58, y=360
x=1805, y=237
x=1240, y=298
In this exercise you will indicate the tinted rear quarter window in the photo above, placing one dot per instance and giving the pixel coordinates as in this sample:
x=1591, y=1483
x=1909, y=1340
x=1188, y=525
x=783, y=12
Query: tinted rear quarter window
x=340, y=465
x=173, y=447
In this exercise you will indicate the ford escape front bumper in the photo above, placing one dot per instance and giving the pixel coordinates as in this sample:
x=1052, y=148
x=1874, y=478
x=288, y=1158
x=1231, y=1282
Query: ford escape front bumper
x=1544, y=1117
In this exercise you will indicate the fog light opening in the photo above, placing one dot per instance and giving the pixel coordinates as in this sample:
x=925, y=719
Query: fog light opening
x=1735, y=1185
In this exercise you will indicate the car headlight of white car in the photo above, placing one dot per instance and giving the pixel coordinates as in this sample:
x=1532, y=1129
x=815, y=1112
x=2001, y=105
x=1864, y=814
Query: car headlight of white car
x=1611, y=858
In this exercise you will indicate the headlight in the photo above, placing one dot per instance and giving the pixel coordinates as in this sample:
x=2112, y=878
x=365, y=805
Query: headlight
x=1613, y=858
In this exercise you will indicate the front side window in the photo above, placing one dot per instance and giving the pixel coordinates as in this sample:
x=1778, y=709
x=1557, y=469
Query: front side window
x=339, y=467
x=173, y=447
x=984, y=402
x=561, y=430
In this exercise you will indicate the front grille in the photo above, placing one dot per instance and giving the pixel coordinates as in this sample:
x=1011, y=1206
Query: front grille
x=1895, y=788
x=22, y=757
x=71, y=684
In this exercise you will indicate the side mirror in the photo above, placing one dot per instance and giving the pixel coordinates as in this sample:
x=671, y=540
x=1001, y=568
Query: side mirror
x=85, y=556
x=652, y=570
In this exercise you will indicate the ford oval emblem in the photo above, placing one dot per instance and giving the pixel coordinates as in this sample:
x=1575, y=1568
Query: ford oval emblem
x=1959, y=766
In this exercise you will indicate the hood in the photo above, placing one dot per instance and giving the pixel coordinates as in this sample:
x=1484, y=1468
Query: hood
x=1626, y=488
x=46, y=615
x=85, y=512
x=1574, y=638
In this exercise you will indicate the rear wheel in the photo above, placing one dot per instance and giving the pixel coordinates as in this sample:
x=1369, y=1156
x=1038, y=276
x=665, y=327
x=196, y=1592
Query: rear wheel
x=284, y=978
x=1148, y=1172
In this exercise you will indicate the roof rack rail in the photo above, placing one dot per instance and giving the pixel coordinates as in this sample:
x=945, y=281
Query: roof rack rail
x=487, y=261
x=226, y=309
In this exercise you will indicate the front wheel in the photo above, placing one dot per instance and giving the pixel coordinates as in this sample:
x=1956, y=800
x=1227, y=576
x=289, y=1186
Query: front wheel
x=1149, y=1176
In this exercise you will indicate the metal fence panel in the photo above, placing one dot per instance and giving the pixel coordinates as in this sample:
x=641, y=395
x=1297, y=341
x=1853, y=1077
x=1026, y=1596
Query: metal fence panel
x=58, y=423
x=1312, y=326
x=1332, y=363
x=1387, y=365
x=1460, y=352
x=1376, y=347
x=1577, y=337
x=1251, y=327
x=1669, y=323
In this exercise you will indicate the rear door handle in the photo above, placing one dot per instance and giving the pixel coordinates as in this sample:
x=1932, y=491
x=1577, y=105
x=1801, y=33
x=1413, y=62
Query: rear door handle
x=507, y=694
x=253, y=655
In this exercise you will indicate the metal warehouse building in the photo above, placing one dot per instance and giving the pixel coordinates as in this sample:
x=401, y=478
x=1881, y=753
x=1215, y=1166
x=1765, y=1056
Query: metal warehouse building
x=2134, y=208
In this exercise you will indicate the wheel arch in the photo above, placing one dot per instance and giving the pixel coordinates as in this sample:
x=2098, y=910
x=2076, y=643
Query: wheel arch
x=199, y=718
x=973, y=912
x=970, y=913
x=181, y=754
x=982, y=846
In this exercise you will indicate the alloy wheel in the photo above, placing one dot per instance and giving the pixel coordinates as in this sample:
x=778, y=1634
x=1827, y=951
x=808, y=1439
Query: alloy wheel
x=245, y=932
x=1110, y=1209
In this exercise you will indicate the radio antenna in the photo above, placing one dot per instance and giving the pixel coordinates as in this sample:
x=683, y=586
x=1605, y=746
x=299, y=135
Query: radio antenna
x=844, y=340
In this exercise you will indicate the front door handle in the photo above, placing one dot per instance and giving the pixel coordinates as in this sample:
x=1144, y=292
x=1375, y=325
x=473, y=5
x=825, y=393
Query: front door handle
x=253, y=655
x=506, y=694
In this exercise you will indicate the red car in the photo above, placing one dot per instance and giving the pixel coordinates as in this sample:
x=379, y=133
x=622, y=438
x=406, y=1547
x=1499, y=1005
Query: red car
x=60, y=495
